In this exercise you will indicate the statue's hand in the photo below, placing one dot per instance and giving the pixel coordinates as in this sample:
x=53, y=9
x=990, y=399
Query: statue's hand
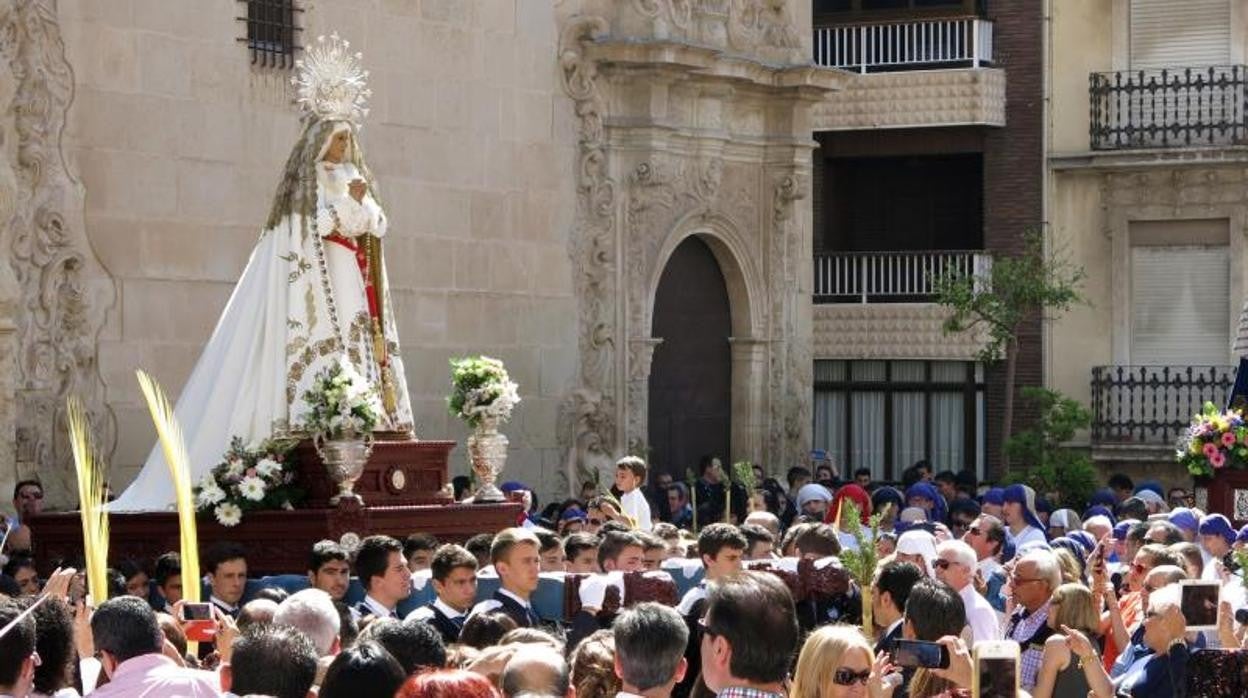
x=357, y=188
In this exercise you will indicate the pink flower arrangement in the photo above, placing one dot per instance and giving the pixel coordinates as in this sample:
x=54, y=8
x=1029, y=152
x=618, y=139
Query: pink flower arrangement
x=1214, y=441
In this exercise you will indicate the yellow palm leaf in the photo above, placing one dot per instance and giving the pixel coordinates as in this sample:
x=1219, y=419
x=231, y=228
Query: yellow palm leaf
x=92, y=497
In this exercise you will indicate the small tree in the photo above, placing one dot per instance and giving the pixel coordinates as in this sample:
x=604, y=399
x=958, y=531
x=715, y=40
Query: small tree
x=1018, y=288
x=1048, y=466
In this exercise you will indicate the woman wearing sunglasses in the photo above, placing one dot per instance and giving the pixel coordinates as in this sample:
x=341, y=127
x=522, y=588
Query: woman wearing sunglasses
x=836, y=662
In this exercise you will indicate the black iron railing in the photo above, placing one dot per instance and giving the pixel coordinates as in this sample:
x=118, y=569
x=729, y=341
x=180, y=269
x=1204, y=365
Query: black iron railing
x=1152, y=404
x=1169, y=107
x=272, y=32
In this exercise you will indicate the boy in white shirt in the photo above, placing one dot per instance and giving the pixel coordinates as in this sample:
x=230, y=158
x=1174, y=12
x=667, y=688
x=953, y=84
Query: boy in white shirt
x=630, y=473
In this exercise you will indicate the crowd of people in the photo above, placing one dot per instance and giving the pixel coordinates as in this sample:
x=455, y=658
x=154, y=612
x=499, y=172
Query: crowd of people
x=1093, y=599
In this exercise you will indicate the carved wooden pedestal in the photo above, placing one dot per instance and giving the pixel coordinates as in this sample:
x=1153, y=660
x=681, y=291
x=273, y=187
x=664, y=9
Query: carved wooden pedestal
x=401, y=487
x=1227, y=495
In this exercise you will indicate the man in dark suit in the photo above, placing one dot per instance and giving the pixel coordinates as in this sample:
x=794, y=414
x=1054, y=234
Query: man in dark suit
x=888, y=606
x=454, y=576
x=516, y=557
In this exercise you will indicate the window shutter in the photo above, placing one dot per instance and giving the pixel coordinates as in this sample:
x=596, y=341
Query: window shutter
x=1180, y=305
x=1186, y=34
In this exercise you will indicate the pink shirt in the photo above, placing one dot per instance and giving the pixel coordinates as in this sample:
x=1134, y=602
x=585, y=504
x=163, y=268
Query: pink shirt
x=156, y=676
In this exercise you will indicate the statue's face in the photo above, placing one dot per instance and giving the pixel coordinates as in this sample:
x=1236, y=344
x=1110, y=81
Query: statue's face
x=337, y=149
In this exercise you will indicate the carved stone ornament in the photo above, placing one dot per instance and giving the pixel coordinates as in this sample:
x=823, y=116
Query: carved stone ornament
x=742, y=25
x=64, y=292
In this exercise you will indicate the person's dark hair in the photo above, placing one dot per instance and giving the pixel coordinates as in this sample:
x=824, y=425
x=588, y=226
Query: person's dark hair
x=447, y=558
x=897, y=578
x=995, y=532
x=26, y=483
x=415, y=644
x=167, y=565
x=650, y=640
x=362, y=671
x=753, y=533
x=650, y=541
x=820, y=540
x=914, y=473
x=348, y=628
x=614, y=527
x=797, y=472
x=1133, y=508
x=859, y=472
x=417, y=542
x=17, y=644
x=480, y=544
x=613, y=544
x=634, y=465
x=749, y=606
x=128, y=569
x=274, y=594
x=486, y=629
x=1138, y=533
x=273, y=660
x=116, y=583
x=704, y=463
x=222, y=552
x=577, y=543
x=17, y=563
x=934, y=610
x=792, y=532
x=718, y=536
x=54, y=641
x=373, y=557
x=126, y=627
x=1119, y=481
x=547, y=540
x=1173, y=534
x=9, y=586
x=324, y=551
x=946, y=476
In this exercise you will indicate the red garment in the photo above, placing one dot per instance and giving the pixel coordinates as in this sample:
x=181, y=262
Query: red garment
x=855, y=494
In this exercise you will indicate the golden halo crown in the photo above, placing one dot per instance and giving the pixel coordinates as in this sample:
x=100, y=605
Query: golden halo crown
x=330, y=81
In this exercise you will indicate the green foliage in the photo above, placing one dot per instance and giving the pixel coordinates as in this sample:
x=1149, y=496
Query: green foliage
x=743, y=474
x=1017, y=287
x=1047, y=466
x=861, y=562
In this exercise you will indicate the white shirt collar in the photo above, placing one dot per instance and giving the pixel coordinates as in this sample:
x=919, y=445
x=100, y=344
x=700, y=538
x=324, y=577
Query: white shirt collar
x=378, y=607
x=892, y=626
x=227, y=606
x=447, y=610
x=517, y=599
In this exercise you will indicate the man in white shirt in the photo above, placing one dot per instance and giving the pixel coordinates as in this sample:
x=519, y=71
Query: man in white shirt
x=630, y=474
x=650, y=642
x=516, y=558
x=454, y=576
x=227, y=577
x=955, y=565
x=986, y=536
x=384, y=574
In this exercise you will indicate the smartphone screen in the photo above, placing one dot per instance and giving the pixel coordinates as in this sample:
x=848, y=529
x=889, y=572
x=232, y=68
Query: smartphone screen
x=196, y=611
x=1200, y=605
x=917, y=653
x=998, y=677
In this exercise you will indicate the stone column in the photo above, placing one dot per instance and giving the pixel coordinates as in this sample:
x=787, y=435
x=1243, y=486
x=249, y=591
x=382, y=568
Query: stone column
x=749, y=394
x=640, y=358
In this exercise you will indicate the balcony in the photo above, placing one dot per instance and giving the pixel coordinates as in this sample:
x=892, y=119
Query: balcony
x=1169, y=108
x=911, y=74
x=1142, y=406
x=958, y=42
x=892, y=277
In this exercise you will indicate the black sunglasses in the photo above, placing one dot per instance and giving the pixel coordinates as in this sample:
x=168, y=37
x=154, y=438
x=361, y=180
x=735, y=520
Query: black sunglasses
x=848, y=677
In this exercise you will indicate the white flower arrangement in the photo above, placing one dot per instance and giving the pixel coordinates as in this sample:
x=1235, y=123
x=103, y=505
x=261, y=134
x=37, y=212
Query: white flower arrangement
x=249, y=478
x=342, y=403
x=480, y=388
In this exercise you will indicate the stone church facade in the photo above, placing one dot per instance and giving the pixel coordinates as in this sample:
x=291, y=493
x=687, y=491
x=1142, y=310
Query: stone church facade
x=541, y=163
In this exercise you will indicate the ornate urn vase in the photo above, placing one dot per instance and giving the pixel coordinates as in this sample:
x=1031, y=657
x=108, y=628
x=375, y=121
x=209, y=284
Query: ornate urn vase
x=344, y=462
x=487, y=450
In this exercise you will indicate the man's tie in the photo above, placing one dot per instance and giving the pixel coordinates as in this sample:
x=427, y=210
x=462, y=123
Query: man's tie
x=458, y=622
x=534, y=620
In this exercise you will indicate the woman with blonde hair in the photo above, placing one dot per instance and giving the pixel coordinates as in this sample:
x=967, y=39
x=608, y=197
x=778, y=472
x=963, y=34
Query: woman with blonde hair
x=1060, y=676
x=836, y=662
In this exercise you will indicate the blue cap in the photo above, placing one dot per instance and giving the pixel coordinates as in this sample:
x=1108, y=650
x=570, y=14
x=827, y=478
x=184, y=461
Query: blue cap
x=1084, y=539
x=1184, y=518
x=1151, y=486
x=996, y=496
x=1121, y=528
x=1104, y=497
x=574, y=514
x=1217, y=525
x=1100, y=510
x=1070, y=545
x=1243, y=535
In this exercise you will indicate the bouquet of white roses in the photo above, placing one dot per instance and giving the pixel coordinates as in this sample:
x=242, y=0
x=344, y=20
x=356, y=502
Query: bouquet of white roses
x=248, y=479
x=342, y=403
x=480, y=388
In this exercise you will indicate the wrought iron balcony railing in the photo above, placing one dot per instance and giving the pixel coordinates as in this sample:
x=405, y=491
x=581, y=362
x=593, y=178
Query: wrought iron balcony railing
x=1152, y=405
x=913, y=45
x=1169, y=108
x=892, y=277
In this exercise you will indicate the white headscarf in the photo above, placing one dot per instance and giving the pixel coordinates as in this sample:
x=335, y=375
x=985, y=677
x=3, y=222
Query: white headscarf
x=919, y=542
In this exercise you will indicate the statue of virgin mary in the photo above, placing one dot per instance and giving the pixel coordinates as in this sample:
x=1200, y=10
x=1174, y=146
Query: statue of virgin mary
x=313, y=293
